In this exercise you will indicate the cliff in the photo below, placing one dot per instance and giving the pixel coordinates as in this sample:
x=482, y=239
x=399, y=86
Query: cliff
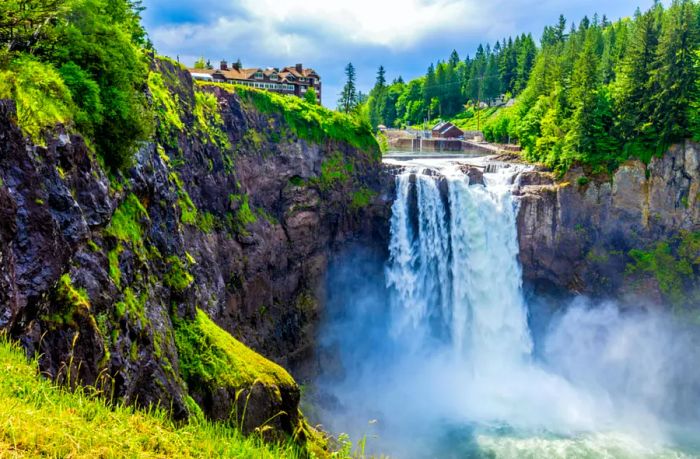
x=137, y=282
x=630, y=235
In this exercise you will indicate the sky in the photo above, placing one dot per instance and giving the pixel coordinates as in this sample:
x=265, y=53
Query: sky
x=404, y=36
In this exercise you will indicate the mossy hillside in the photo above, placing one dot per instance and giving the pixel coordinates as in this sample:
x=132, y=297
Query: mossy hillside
x=674, y=264
x=179, y=110
x=212, y=357
x=39, y=419
x=307, y=121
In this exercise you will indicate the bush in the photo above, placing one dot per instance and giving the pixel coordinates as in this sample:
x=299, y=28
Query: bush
x=42, y=98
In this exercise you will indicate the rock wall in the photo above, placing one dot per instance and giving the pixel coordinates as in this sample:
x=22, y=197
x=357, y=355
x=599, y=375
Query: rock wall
x=102, y=275
x=576, y=234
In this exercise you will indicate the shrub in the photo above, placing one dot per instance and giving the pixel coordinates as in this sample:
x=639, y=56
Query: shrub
x=42, y=98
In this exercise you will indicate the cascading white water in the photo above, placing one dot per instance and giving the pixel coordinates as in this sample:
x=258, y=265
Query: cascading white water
x=462, y=268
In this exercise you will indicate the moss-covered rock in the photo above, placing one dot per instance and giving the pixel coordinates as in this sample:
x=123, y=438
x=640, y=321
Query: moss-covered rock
x=232, y=381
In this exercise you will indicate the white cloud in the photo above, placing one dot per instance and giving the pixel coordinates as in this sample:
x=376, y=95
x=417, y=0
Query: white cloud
x=283, y=28
x=395, y=24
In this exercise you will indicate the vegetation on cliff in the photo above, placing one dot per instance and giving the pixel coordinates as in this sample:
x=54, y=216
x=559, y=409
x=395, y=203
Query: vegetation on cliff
x=41, y=419
x=674, y=264
x=81, y=63
x=308, y=121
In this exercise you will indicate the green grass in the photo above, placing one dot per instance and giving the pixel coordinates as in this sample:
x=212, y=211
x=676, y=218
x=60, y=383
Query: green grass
x=309, y=121
x=39, y=419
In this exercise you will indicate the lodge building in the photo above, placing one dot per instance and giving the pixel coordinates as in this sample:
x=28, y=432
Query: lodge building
x=295, y=80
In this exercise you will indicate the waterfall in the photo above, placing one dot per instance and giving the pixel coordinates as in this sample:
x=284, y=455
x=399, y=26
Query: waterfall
x=437, y=353
x=453, y=272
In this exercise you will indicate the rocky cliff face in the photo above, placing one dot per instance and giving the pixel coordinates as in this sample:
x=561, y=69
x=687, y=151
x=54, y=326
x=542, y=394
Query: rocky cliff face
x=229, y=211
x=609, y=237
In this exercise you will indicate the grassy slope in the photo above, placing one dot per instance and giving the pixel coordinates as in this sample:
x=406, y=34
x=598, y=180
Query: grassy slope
x=38, y=419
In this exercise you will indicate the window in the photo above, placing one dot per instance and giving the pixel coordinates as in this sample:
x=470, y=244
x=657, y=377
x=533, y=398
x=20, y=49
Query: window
x=258, y=76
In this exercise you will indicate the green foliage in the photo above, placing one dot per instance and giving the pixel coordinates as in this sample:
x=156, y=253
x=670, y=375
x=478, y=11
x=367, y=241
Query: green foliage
x=348, y=97
x=133, y=306
x=115, y=272
x=334, y=169
x=90, y=49
x=178, y=277
x=167, y=110
x=86, y=93
x=312, y=122
x=208, y=121
x=311, y=96
x=42, y=98
x=71, y=296
x=126, y=223
x=244, y=215
x=383, y=142
x=674, y=264
x=187, y=208
x=43, y=420
x=362, y=198
x=206, y=222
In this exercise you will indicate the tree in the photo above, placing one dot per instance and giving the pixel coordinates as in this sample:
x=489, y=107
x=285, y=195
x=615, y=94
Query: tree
x=24, y=23
x=634, y=87
x=311, y=96
x=200, y=63
x=348, y=97
x=675, y=72
x=381, y=77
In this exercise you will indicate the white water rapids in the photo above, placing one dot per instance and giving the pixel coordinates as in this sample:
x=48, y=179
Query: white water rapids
x=440, y=360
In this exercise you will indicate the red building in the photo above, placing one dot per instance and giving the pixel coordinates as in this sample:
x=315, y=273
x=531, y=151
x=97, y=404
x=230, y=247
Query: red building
x=294, y=80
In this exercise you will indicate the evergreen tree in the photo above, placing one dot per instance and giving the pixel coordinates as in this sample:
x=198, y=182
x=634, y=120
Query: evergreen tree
x=348, y=96
x=675, y=72
x=634, y=86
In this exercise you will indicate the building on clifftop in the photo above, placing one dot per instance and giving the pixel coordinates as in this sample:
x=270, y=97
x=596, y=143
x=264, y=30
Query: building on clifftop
x=293, y=80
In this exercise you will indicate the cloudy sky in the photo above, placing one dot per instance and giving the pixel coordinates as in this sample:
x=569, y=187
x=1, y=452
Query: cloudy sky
x=403, y=35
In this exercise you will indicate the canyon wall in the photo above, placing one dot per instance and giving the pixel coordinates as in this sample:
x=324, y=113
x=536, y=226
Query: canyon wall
x=629, y=235
x=231, y=213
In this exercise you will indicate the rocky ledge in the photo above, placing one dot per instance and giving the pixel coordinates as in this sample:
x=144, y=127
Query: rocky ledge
x=619, y=235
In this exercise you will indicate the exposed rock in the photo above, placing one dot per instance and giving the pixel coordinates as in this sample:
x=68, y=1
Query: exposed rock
x=576, y=234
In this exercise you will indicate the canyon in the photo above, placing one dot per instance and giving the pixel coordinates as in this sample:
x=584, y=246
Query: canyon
x=110, y=277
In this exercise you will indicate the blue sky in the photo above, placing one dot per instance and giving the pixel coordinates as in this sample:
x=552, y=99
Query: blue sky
x=403, y=35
